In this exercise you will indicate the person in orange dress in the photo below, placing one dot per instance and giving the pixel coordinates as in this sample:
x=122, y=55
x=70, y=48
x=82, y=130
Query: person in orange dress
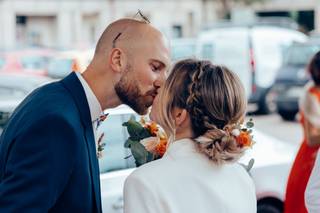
x=305, y=159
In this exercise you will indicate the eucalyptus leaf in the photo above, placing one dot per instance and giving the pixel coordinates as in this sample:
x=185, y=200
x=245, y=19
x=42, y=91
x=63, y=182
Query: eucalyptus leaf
x=150, y=157
x=250, y=164
x=144, y=133
x=250, y=124
x=134, y=129
x=128, y=142
x=139, y=153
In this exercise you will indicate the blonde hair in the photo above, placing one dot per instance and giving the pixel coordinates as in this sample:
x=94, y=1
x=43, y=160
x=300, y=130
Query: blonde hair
x=215, y=100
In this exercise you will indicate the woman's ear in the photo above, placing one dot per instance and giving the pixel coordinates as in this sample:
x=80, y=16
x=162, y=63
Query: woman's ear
x=180, y=116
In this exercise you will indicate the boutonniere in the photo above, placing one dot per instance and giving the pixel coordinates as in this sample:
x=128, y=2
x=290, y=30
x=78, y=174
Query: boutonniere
x=100, y=144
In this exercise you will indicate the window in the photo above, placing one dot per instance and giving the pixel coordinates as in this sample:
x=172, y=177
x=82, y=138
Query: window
x=115, y=136
x=177, y=31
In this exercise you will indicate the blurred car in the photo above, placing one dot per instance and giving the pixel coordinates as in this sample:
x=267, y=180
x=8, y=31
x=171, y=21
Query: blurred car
x=183, y=48
x=292, y=76
x=28, y=61
x=254, y=52
x=273, y=160
x=14, y=87
x=67, y=61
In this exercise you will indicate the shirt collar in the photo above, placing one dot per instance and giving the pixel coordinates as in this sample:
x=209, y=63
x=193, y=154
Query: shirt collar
x=94, y=105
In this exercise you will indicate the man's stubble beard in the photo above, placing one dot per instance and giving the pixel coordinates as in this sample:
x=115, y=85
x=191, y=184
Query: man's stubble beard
x=130, y=94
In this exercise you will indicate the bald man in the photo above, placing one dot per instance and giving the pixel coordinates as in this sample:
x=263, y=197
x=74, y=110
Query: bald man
x=48, y=157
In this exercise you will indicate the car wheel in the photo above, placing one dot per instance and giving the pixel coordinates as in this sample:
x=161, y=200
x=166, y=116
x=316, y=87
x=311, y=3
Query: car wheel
x=267, y=103
x=270, y=206
x=270, y=101
x=266, y=208
x=287, y=116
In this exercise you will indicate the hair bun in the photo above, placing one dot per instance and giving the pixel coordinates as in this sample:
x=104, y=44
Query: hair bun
x=219, y=146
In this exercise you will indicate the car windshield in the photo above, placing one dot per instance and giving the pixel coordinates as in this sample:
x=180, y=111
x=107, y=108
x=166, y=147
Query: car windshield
x=34, y=62
x=300, y=54
x=59, y=67
x=180, y=51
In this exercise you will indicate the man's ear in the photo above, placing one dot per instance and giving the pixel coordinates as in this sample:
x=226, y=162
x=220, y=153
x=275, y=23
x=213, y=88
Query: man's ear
x=180, y=115
x=117, y=60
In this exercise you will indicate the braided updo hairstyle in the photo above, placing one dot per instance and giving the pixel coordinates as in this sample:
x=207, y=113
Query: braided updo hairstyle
x=215, y=100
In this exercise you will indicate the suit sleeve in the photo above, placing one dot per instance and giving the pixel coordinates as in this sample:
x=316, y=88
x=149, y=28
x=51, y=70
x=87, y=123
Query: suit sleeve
x=139, y=197
x=40, y=161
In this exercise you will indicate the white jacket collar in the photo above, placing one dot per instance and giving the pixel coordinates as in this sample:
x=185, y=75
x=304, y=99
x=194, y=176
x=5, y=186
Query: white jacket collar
x=182, y=148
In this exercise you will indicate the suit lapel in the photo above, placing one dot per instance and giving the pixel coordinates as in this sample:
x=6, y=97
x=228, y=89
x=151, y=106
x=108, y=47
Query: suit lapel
x=73, y=85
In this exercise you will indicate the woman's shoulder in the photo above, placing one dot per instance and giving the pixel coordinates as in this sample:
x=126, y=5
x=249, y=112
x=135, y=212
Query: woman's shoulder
x=149, y=171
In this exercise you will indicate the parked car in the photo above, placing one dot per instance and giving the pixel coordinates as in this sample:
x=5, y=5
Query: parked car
x=291, y=78
x=67, y=61
x=254, y=52
x=273, y=160
x=14, y=88
x=28, y=61
x=183, y=48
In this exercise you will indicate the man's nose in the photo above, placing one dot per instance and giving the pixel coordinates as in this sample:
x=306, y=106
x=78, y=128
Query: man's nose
x=161, y=79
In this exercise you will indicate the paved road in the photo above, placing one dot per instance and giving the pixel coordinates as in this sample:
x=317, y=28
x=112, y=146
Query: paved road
x=290, y=132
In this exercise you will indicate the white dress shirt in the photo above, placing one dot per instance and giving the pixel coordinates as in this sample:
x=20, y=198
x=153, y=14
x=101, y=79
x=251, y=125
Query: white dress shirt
x=94, y=105
x=312, y=194
x=185, y=180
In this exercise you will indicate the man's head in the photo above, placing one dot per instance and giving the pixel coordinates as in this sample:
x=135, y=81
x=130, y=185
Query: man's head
x=134, y=56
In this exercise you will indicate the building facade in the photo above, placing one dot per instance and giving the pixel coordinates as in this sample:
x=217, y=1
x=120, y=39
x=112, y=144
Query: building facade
x=77, y=23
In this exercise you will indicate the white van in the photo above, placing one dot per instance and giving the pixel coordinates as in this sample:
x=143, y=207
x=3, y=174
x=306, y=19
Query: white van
x=182, y=48
x=253, y=52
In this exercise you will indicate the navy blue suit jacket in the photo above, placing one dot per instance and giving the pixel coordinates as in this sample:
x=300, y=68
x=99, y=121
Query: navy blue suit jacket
x=48, y=160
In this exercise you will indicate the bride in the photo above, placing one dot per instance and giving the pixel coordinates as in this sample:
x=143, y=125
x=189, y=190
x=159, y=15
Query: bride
x=199, y=107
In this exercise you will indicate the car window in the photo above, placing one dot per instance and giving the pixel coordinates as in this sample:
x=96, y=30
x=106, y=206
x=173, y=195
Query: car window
x=34, y=62
x=2, y=62
x=180, y=51
x=60, y=67
x=299, y=54
x=207, y=51
x=114, y=153
x=7, y=93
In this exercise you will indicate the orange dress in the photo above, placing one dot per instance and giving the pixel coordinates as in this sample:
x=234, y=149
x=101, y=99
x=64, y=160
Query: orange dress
x=300, y=173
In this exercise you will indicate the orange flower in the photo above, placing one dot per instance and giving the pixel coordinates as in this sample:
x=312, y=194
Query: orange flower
x=153, y=128
x=244, y=139
x=161, y=147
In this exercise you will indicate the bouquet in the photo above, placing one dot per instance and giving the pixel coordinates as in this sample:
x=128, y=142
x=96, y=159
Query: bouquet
x=147, y=141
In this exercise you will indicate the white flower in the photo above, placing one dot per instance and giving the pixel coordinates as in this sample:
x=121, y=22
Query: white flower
x=235, y=132
x=150, y=143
